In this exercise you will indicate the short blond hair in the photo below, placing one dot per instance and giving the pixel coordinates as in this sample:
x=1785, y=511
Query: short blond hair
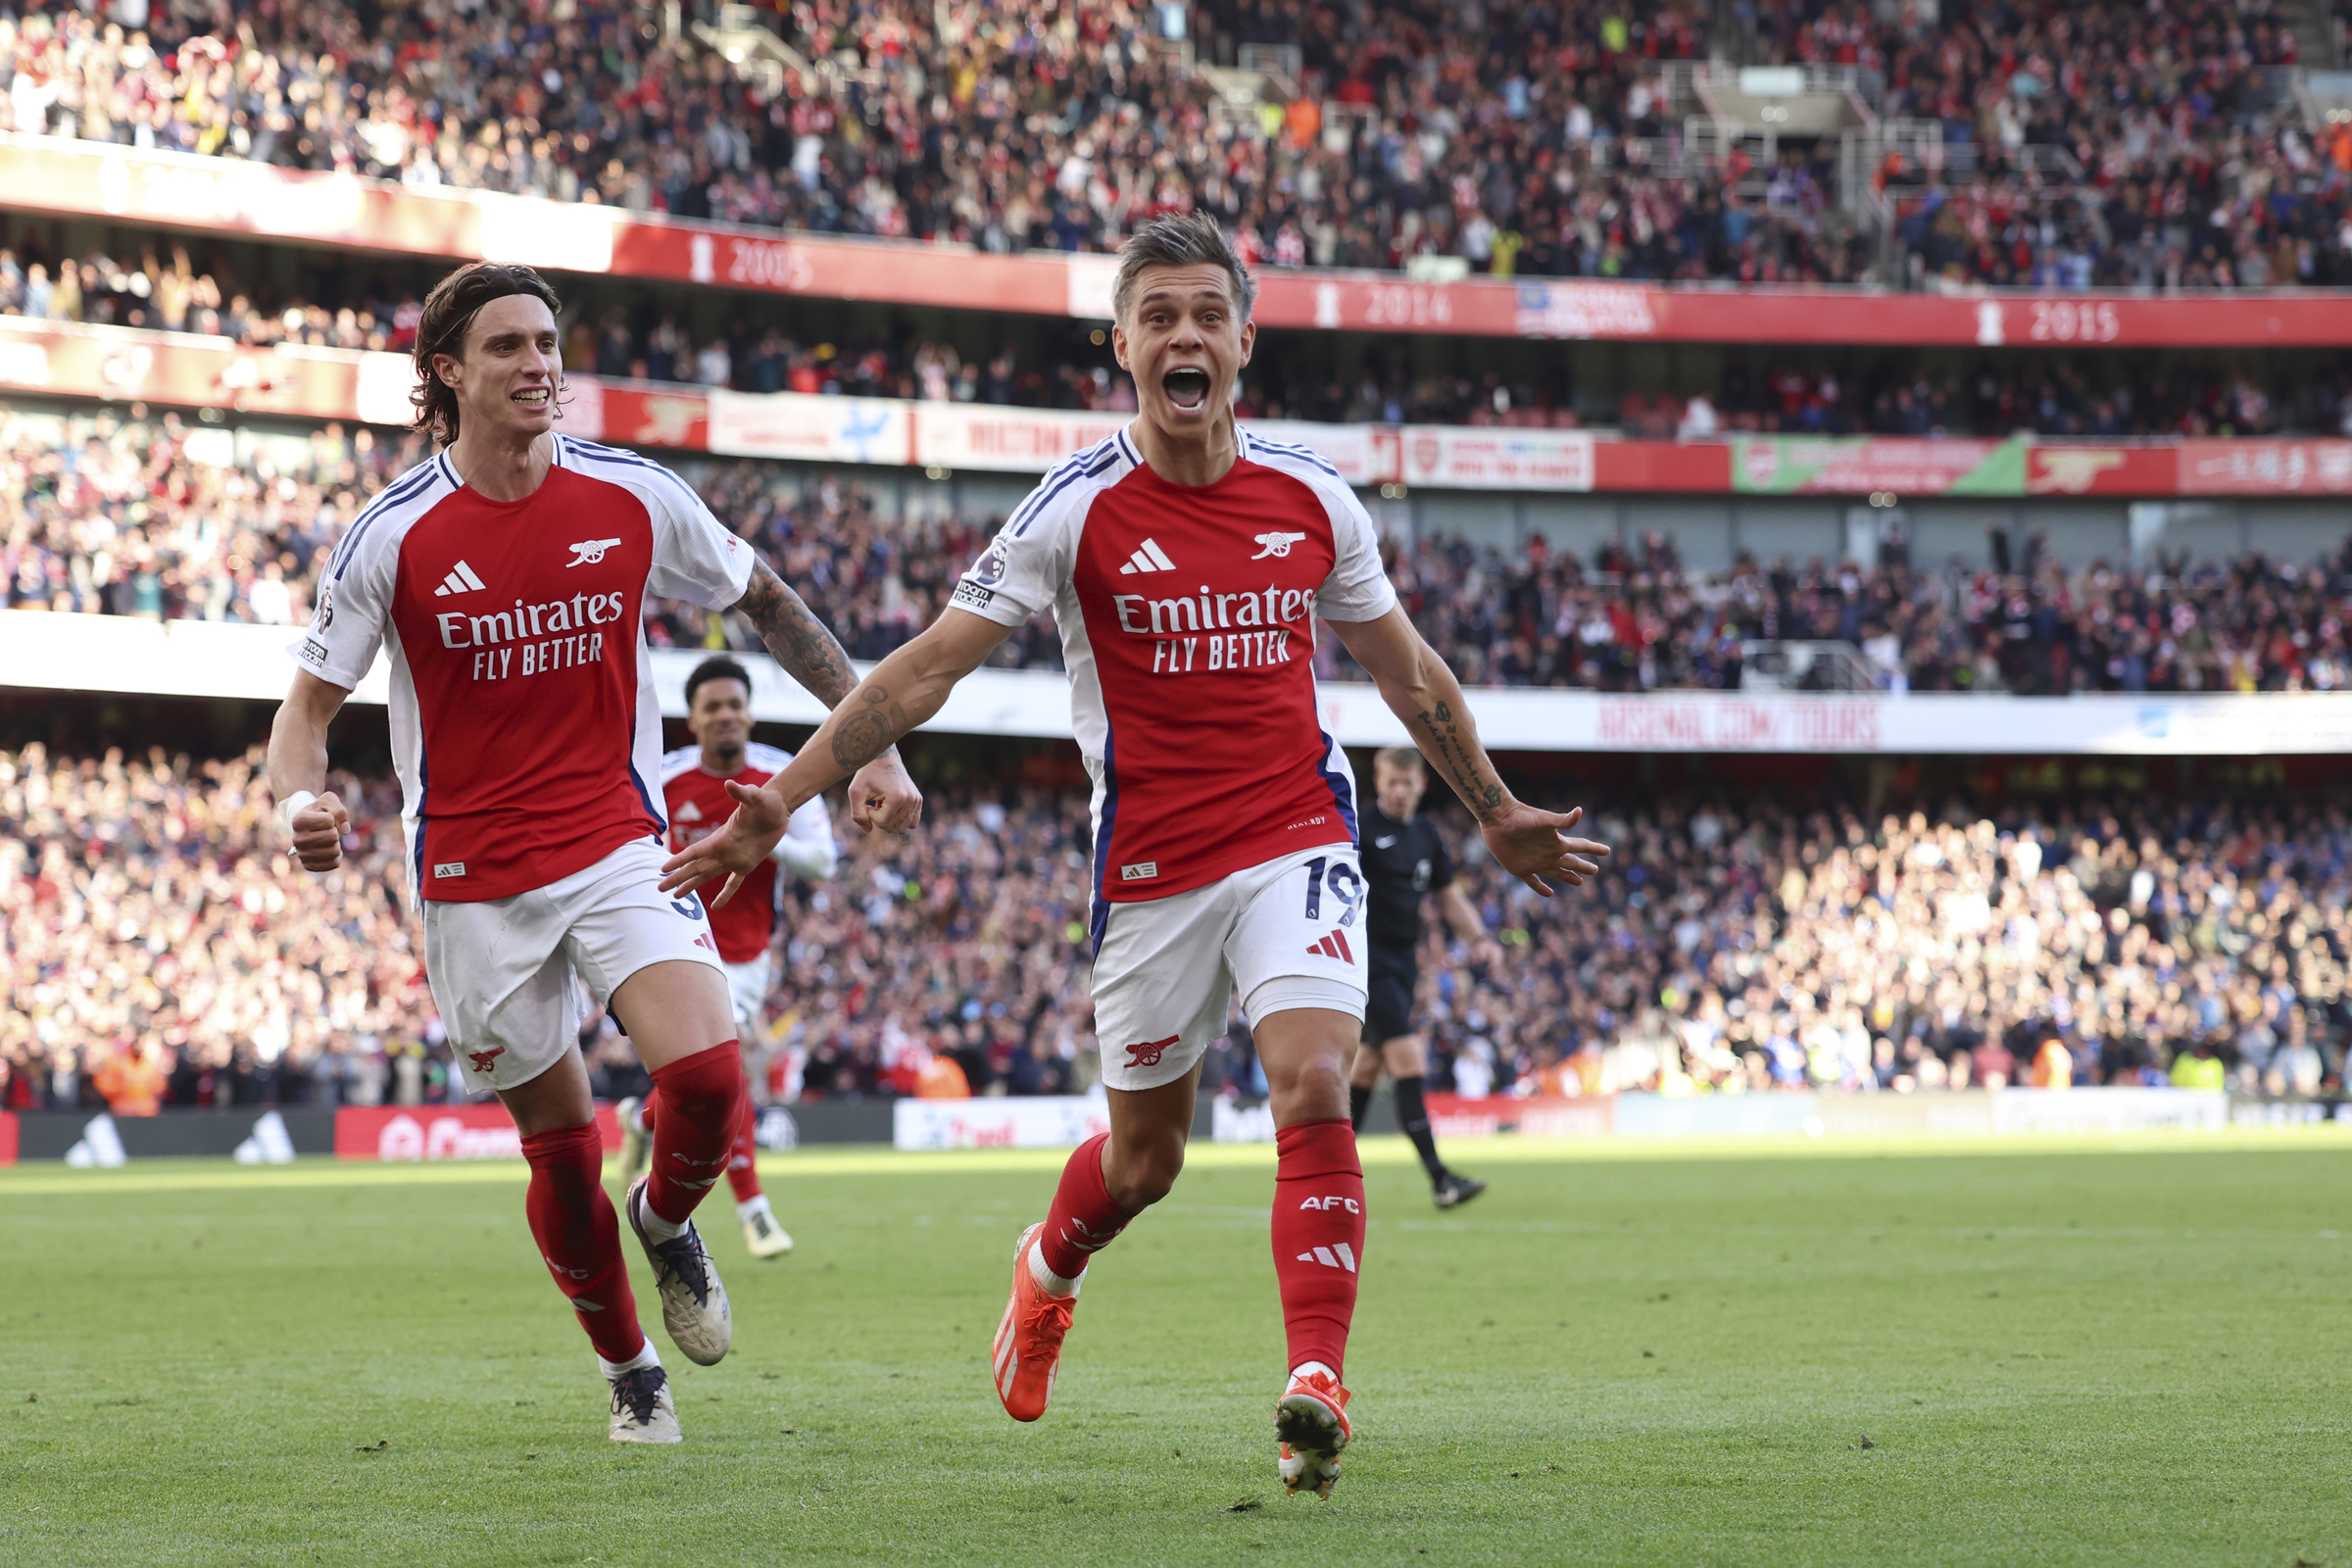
x=1178, y=239
x=1398, y=757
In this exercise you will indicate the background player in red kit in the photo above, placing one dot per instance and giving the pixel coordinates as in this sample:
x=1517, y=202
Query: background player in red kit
x=504, y=578
x=694, y=786
x=1186, y=560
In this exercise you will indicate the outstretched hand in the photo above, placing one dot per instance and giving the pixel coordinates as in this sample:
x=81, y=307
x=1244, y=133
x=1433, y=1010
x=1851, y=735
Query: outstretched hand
x=883, y=799
x=1533, y=845
x=741, y=842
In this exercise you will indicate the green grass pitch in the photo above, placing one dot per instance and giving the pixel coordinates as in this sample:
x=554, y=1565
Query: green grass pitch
x=2015, y=1353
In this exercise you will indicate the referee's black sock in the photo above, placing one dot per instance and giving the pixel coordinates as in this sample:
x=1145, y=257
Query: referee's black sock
x=1412, y=1117
x=1360, y=1100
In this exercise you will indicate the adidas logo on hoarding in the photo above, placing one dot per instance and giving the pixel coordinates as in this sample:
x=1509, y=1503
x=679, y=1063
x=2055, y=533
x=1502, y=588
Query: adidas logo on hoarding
x=460, y=580
x=1147, y=556
x=1324, y=1255
x=1334, y=946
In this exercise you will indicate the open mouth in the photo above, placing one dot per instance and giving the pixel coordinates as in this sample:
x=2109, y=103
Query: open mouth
x=1186, y=388
x=532, y=397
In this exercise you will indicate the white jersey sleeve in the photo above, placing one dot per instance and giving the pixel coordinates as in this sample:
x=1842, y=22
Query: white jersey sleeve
x=806, y=847
x=1025, y=567
x=1358, y=587
x=353, y=607
x=695, y=557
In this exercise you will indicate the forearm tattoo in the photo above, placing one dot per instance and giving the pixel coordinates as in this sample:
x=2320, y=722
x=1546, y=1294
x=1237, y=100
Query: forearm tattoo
x=867, y=729
x=1452, y=748
x=796, y=638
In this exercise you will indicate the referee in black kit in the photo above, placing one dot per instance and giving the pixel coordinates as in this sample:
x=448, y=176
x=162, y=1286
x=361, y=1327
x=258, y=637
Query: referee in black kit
x=1405, y=856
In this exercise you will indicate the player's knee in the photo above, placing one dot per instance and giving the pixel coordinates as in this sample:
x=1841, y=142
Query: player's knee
x=1312, y=1090
x=1407, y=1057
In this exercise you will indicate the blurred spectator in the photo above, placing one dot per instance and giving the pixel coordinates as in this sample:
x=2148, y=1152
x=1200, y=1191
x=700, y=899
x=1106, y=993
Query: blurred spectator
x=157, y=943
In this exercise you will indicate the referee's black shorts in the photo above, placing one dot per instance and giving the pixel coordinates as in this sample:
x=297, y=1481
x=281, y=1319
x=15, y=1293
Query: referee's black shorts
x=1388, y=995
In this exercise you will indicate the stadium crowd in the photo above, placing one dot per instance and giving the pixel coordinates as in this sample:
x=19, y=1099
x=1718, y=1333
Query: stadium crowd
x=2105, y=144
x=2112, y=144
x=169, y=521
x=161, y=950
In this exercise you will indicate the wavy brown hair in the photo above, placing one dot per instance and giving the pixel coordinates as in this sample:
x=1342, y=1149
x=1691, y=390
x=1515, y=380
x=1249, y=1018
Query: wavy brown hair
x=449, y=311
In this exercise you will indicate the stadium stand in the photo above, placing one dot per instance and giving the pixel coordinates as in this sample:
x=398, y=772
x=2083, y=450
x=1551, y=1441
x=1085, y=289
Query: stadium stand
x=166, y=519
x=159, y=952
x=1988, y=144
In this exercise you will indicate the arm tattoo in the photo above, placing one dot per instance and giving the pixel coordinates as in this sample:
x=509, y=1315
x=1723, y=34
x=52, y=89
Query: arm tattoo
x=796, y=638
x=868, y=731
x=1452, y=746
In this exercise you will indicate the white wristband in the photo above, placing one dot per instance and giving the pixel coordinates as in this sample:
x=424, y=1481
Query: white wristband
x=291, y=807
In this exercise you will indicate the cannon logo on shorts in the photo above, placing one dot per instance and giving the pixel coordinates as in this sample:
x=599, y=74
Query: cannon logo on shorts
x=1148, y=1053
x=482, y=1060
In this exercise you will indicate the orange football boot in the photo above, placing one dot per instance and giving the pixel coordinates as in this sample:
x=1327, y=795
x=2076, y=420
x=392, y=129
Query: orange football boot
x=1311, y=1426
x=1028, y=1348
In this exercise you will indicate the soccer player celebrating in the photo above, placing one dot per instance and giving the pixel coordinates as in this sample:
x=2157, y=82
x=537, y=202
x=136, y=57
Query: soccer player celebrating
x=505, y=576
x=719, y=715
x=1185, y=559
x=1404, y=858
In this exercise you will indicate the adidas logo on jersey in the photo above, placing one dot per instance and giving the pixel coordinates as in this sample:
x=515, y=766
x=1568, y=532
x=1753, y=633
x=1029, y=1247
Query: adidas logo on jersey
x=460, y=580
x=1335, y=1255
x=1147, y=556
x=1334, y=946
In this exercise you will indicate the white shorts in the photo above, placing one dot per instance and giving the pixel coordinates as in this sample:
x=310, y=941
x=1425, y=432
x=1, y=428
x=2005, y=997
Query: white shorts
x=1287, y=934
x=501, y=969
x=747, y=985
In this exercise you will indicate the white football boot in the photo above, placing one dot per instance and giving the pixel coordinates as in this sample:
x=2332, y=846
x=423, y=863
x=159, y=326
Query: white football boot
x=762, y=1236
x=636, y=1141
x=694, y=1304
x=642, y=1408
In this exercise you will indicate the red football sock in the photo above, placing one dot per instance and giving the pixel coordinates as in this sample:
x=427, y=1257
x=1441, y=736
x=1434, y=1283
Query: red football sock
x=1318, y=1236
x=579, y=1236
x=693, y=1126
x=1084, y=1219
x=742, y=1174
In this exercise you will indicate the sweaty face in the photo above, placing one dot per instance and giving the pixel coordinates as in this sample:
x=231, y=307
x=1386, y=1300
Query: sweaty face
x=1398, y=790
x=720, y=717
x=1184, y=343
x=506, y=383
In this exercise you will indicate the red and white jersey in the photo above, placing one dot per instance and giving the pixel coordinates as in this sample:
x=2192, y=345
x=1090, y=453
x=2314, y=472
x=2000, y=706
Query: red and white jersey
x=699, y=802
x=1187, y=620
x=524, y=723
